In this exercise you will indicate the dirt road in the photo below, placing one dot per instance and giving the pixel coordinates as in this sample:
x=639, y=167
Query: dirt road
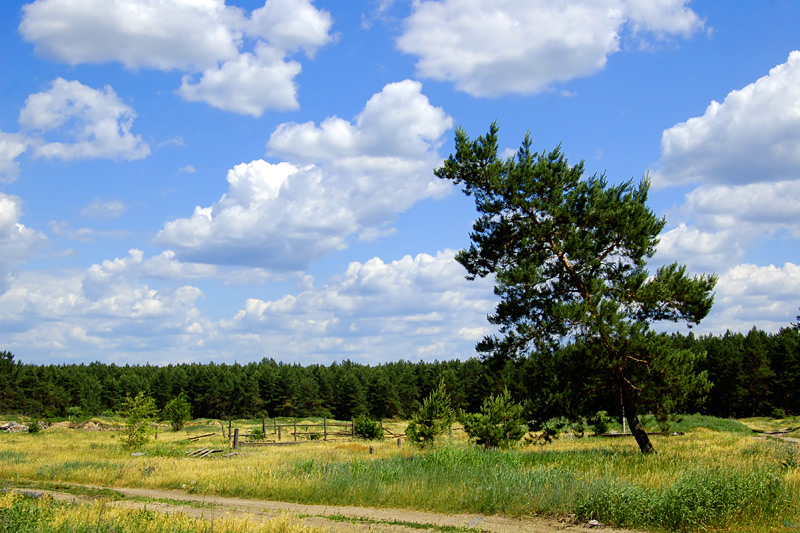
x=331, y=518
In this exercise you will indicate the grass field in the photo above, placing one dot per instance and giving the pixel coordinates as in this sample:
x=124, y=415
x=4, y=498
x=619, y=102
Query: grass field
x=716, y=477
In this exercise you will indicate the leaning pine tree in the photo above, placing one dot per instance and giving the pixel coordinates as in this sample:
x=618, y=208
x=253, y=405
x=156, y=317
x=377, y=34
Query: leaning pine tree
x=569, y=258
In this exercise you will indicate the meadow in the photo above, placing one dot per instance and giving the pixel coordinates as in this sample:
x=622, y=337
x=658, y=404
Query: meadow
x=718, y=476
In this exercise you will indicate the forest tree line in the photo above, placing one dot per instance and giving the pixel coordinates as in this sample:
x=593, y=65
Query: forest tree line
x=752, y=374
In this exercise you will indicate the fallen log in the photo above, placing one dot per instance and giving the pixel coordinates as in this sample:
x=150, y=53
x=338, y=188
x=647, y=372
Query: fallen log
x=200, y=436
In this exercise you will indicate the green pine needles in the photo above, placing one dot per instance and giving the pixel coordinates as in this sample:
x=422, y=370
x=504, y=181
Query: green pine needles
x=499, y=424
x=568, y=255
x=434, y=418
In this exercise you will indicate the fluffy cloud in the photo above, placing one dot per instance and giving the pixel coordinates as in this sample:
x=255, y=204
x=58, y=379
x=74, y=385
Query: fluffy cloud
x=96, y=123
x=415, y=307
x=525, y=46
x=749, y=295
x=700, y=251
x=291, y=25
x=17, y=242
x=193, y=36
x=753, y=136
x=182, y=34
x=12, y=145
x=342, y=178
x=98, y=311
x=758, y=207
x=248, y=84
x=745, y=156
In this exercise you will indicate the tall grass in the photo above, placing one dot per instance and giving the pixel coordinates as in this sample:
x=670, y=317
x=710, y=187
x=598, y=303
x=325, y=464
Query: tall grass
x=715, y=476
x=22, y=514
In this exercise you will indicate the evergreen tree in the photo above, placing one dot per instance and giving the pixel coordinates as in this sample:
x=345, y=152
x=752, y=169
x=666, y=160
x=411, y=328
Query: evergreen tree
x=756, y=372
x=434, y=418
x=499, y=424
x=569, y=259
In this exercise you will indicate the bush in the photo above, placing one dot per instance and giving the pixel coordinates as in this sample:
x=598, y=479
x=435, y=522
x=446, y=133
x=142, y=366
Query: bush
x=139, y=412
x=500, y=423
x=33, y=426
x=256, y=434
x=433, y=418
x=600, y=422
x=366, y=428
x=178, y=411
x=778, y=414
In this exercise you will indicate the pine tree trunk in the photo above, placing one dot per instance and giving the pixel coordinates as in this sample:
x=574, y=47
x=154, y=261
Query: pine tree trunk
x=632, y=414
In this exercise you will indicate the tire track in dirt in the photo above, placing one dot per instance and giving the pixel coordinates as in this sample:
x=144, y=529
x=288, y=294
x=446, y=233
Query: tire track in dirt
x=331, y=517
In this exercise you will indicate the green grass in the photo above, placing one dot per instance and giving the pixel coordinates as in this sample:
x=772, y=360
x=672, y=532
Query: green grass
x=19, y=513
x=689, y=497
x=716, y=477
x=686, y=423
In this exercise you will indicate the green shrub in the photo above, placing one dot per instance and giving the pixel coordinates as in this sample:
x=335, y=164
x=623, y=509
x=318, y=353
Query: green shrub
x=178, y=411
x=139, y=412
x=600, y=422
x=366, y=428
x=433, y=418
x=499, y=424
x=256, y=434
x=33, y=426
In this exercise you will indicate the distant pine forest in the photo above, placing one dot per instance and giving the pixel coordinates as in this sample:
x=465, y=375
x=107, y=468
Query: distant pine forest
x=752, y=374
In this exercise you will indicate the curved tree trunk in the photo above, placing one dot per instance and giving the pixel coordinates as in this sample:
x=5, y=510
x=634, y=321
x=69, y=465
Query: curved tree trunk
x=632, y=415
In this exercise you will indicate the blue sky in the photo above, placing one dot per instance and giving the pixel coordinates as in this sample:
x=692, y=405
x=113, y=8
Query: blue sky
x=197, y=180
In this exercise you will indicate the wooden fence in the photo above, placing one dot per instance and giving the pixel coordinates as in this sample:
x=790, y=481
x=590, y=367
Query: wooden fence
x=277, y=433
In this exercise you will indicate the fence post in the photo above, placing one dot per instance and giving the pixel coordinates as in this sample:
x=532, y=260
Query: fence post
x=275, y=425
x=324, y=428
x=264, y=426
x=223, y=429
x=279, y=433
x=229, y=429
x=295, y=429
x=371, y=450
x=236, y=439
x=398, y=441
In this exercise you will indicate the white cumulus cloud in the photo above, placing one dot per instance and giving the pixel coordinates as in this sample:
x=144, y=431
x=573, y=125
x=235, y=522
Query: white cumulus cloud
x=247, y=84
x=17, y=242
x=753, y=136
x=526, y=46
x=291, y=25
x=743, y=156
x=414, y=307
x=750, y=295
x=91, y=123
x=182, y=34
x=205, y=37
x=418, y=307
x=342, y=178
x=12, y=145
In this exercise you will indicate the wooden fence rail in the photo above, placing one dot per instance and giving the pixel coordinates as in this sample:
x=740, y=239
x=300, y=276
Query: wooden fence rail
x=311, y=430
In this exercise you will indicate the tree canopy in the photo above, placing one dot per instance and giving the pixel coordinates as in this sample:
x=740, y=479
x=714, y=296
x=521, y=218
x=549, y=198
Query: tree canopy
x=569, y=258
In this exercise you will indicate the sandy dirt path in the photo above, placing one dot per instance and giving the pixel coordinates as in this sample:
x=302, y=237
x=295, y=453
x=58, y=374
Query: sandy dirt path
x=328, y=517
